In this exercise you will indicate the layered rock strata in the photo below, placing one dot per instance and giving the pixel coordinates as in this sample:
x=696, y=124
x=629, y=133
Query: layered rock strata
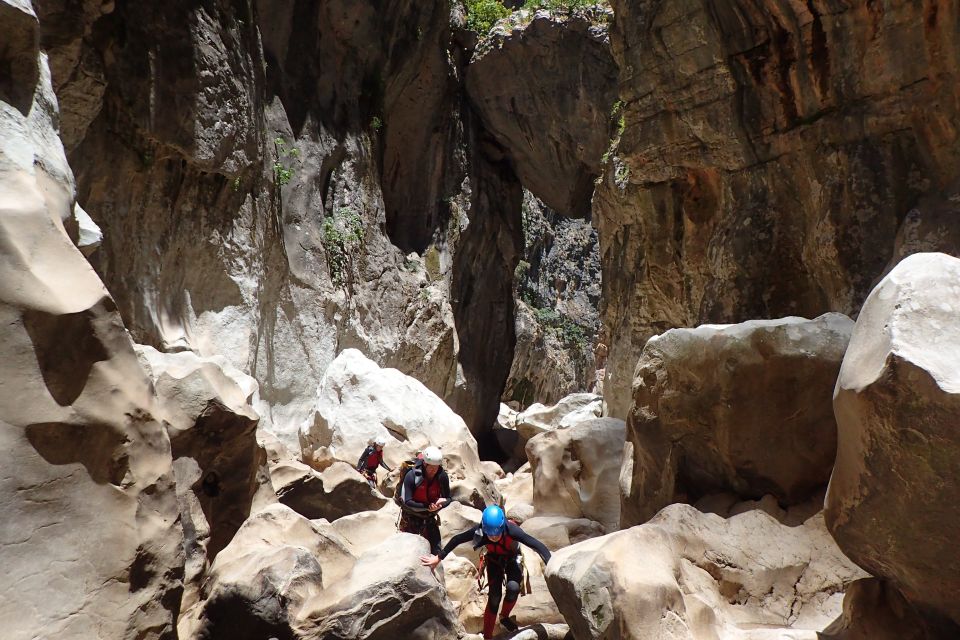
x=768, y=157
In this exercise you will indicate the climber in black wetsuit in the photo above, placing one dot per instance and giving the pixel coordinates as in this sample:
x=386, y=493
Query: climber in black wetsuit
x=502, y=539
x=370, y=459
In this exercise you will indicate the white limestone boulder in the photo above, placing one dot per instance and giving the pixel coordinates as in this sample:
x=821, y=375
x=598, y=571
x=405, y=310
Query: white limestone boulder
x=387, y=594
x=576, y=471
x=259, y=583
x=687, y=575
x=574, y=408
x=743, y=408
x=357, y=400
x=892, y=500
x=335, y=492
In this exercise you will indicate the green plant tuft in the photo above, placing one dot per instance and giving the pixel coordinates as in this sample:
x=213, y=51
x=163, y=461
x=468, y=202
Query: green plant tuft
x=282, y=166
x=483, y=14
x=560, y=5
x=343, y=236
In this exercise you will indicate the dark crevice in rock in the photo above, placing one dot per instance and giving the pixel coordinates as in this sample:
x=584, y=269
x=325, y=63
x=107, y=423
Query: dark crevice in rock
x=19, y=70
x=482, y=287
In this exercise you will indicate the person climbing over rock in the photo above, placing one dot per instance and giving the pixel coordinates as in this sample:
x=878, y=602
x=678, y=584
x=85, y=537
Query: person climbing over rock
x=502, y=539
x=423, y=491
x=371, y=458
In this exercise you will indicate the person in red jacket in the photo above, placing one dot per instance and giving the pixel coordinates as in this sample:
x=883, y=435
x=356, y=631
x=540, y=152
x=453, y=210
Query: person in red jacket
x=371, y=458
x=502, y=539
x=424, y=491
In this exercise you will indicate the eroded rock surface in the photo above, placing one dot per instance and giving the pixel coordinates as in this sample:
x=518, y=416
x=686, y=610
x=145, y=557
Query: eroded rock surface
x=742, y=408
x=90, y=541
x=896, y=402
x=576, y=471
x=557, y=285
x=357, y=400
x=387, y=594
x=694, y=576
x=768, y=156
x=261, y=580
x=545, y=91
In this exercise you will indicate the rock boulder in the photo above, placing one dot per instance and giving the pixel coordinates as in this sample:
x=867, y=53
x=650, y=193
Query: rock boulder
x=742, y=408
x=576, y=471
x=892, y=501
x=357, y=400
x=686, y=575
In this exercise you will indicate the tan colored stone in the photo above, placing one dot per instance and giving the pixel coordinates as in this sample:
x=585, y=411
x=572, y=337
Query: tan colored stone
x=893, y=496
x=694, y=576
x=387, y=594
x=576, y=471
x=357, y=400
x=769, y=153
x=741, y=408
x=258, y=584
x=335, y=492
x=91, y=544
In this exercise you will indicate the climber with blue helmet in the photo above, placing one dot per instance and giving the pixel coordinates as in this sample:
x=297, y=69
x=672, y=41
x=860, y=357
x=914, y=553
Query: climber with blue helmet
x=502, y=539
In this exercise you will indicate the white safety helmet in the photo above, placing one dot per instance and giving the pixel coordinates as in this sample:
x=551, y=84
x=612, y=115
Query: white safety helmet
x=432, y=455
x=380, y=441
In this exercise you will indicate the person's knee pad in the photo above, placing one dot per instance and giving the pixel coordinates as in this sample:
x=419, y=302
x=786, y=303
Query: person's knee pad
x=513, y=591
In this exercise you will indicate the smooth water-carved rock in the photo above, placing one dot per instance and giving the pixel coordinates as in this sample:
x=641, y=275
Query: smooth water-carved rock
x=576, y=407
x=742, y=408
x=768, y=156
x=258, y=584
x=357, y=400
x=687, y=575
x=90, y=543
x=206, y=406
x=576, y=471
x=335, y=492
x=219, y=467
x=387, y=594
x=546, y=91
x=892, y=499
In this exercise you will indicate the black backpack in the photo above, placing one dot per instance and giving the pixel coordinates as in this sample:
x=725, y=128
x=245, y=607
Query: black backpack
x=405, y=467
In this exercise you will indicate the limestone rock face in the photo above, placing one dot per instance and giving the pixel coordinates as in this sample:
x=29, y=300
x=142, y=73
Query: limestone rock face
x=567, y=411
x=741, y=408
x=388, y=594
x=896, y=402
x=557, y=284
x=576, y=471
x=212, y=427
x=358, y=400
x=260, y=581
x=769, y=154
x=90, y=542
x=298, y=207
x=874, y=610
x=545, y=92
x=694, y=576
x=335, y=492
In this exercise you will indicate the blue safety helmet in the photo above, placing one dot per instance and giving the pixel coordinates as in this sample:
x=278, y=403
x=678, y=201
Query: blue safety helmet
x=493, y=522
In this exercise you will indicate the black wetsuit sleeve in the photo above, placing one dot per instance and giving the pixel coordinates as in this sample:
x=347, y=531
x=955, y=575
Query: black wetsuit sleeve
x=383, y=464
x=445, y=490
x=456, y=541
x=409, y=487
x=363, y=458
x=523, y=537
